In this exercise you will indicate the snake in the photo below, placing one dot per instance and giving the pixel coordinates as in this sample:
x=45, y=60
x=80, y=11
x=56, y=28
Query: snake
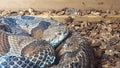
x=35, y=42
x=75, y=52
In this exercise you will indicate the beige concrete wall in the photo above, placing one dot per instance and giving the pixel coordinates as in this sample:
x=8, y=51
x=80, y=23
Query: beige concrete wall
x=57, y=4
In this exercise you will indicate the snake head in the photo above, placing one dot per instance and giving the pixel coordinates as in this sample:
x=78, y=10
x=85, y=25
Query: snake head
x=49, y=30
x=55, y=34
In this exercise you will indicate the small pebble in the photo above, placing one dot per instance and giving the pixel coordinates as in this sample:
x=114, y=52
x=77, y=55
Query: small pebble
x=30, y=10
x=105, y=66
x=96, y=43
x=70, y=11
x=61, y=13
x=109, y=52
x=103, y=46
x=77, y=27
x=69, y=19
x=93, y=34
x=21, y=13
x=51, y=11
x=13, y=13
x=95, y=13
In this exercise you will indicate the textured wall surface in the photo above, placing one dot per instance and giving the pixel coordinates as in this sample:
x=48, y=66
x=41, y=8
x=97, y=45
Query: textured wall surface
x=57, y=4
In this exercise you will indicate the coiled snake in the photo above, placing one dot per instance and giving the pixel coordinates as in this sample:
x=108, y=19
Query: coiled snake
x=32, y=42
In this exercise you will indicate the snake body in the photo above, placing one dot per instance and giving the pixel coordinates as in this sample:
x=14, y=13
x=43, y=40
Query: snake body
x=75, y=52
x=32, y=42
x=25, y=51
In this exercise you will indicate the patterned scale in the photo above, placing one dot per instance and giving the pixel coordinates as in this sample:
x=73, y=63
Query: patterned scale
x=4, y=45
x=39, y=52
x=16, y=62
x=75, y=52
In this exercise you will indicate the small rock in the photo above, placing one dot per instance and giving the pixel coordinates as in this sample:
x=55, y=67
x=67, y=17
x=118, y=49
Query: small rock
x=95, y=13
x=69, y=19
x=72, y=25
x=93, y=34
x=21, y=13
x=13, y=13
x=85, y=12
x=103, y=45
x=105, y=66
x=33, y=13
x=88, y=11
x=77, y=27
x=82, y=33
x=51, y=11
x=26, y=12
x=109, y=52
x=109, y=28
x=79, y=12
x=30, y=10
x=70, y=11
x=96, y=43
x=61, y=13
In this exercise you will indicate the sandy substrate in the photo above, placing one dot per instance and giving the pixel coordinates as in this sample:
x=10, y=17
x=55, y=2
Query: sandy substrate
x=58, y=4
